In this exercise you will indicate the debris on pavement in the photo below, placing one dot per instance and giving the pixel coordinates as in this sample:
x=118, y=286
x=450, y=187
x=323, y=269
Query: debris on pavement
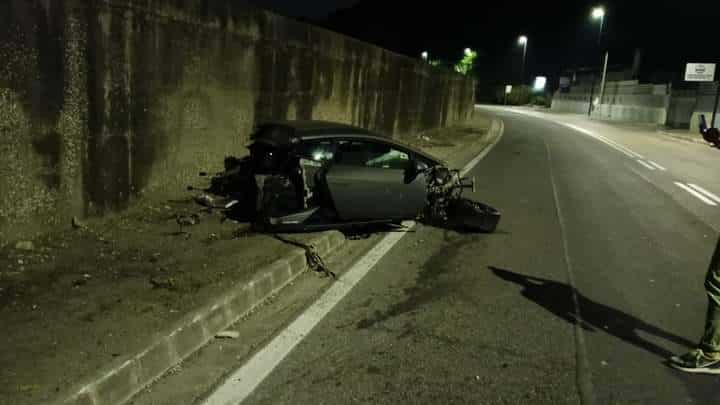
x=188, y=220
x=228, y=334
x=81, y=281
x=24, y=245
x=205, y=200
x=77, y=224
x=314, y=261
x=158, y=282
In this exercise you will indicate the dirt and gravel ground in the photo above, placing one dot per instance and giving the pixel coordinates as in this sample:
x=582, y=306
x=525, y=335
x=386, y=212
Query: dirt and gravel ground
x=94, y=293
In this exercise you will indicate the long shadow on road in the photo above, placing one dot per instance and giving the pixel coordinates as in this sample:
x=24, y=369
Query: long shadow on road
x=558, y=299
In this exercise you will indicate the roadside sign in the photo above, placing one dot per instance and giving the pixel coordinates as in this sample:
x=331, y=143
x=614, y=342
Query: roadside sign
x=508, y=89
x=700, y=72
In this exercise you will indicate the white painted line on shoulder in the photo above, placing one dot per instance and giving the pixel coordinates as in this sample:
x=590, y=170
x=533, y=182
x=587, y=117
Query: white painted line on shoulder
x=239, y=385
x=657, y=165
x=487, y=150
x=628, y=150
x=647, y=165
x=696, y=194
x=620, y=148
x=705, y=192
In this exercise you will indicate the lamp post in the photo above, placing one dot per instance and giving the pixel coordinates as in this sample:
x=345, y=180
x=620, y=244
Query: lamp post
x=523, y=41
x=598, y=13
x=425, y=55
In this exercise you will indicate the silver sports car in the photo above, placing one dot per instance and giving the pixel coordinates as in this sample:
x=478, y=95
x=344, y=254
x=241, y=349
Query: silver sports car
x=313, y=175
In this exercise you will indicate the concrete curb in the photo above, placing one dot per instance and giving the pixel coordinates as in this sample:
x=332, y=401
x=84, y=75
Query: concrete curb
x=119, y=384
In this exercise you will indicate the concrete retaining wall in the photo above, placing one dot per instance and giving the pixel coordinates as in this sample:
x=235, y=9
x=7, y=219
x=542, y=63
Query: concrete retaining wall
x=622, y=101
x=630, y=113
x=570, y=106
x=104, y=100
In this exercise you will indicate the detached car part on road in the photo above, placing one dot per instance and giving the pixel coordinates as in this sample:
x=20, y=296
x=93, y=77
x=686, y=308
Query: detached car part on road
x=312, y=175
x=710, y=134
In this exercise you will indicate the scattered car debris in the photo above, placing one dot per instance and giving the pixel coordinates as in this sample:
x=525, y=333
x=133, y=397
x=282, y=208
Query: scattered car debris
x=187, y=220
x=228, y=334
x=205, y=200
x=314, y=261
x=77, y=224
x=711, y=135
x=158, y=282
x=25, y=245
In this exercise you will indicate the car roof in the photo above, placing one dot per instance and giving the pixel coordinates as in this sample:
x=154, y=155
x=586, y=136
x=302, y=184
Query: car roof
x=302, y=128
x=291, y=132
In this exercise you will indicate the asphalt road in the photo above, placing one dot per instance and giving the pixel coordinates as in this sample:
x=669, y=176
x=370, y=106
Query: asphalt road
x=592, y=280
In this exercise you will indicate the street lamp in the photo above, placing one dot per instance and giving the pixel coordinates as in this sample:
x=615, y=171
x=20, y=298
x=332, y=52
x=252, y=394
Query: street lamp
x=523, y=41
x=425, y=55
x=598, y=13
x=468, y=51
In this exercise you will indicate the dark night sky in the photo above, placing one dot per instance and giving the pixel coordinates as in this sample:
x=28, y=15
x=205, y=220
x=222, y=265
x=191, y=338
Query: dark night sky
x=562, y=35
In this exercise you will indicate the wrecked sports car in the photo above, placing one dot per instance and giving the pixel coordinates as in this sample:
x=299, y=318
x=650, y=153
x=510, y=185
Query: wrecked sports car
x=311, y=175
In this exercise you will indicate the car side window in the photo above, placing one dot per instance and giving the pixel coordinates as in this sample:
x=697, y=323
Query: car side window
x=319, y=151
x=370, y=154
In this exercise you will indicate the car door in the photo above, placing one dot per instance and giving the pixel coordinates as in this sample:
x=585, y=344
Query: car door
x=367, y=181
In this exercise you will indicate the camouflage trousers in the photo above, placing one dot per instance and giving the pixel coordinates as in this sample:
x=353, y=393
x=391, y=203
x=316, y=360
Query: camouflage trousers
x=711, y=338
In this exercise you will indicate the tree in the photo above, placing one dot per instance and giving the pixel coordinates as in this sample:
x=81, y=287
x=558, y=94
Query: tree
x=467, y=63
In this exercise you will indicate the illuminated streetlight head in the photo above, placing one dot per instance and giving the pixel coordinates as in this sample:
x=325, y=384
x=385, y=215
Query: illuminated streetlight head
x=522, y=40
x=425, y=55
x=468, y=51
x=598, y=13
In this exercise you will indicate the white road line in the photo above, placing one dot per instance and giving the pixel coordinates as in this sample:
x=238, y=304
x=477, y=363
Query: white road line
x=647, y=165
x=696, y=194
x=705, y=192
x=628, y=150
x=241, y=384
x=482, y=155
x=657, y=165
x=620, y=148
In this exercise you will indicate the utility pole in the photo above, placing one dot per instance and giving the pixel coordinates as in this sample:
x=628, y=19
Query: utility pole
x=715, y=106
x=604, y=76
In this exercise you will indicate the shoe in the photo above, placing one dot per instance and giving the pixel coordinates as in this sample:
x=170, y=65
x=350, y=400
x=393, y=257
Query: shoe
x=696, y=361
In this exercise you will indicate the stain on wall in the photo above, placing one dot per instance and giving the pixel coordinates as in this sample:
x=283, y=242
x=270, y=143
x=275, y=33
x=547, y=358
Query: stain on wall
x=104, y=101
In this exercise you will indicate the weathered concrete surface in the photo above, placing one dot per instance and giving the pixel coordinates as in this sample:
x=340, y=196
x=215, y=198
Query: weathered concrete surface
x=622, y=101
x=106, y=100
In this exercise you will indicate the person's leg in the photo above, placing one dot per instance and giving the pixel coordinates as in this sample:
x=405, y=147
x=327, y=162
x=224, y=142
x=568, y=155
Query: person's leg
x=710, y=342
x=706, y=358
